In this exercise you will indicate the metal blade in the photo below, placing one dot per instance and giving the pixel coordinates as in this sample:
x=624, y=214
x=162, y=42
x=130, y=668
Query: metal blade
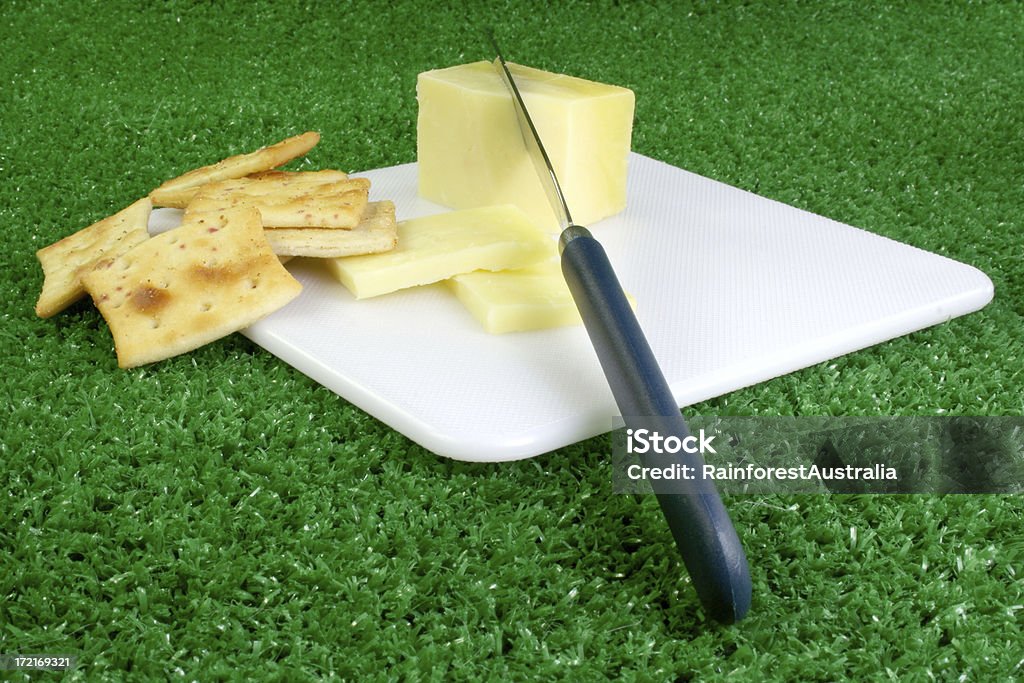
x=534, y=146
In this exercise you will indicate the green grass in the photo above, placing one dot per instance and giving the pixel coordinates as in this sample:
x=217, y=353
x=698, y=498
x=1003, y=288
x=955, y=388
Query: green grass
x=221, y=516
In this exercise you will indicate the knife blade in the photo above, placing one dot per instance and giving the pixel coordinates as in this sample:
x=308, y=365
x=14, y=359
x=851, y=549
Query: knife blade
x=696, y=516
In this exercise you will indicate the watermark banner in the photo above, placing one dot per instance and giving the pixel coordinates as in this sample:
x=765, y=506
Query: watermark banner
x=910, y=454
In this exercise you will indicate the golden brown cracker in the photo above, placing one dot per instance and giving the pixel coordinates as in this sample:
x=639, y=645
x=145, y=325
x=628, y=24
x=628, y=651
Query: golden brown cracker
x=64, y=262
x=293, y=201
x=189, y=286
x=177, y=192
x=376, y=232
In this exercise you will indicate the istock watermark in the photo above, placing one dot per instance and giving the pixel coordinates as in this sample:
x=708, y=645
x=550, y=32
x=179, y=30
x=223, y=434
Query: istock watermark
x=942, y=454
x=641, y=441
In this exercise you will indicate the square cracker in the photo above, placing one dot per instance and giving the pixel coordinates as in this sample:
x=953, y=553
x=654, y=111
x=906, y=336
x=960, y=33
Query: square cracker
x=189, y=286
x=299, y=200
x=376, y=232
x=177, y=192
x=326, y=176
x=64, y=262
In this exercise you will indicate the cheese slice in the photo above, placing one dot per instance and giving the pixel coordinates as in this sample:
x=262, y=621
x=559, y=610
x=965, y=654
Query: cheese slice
x=435, y=248
x=470, y=150
x=531, y=298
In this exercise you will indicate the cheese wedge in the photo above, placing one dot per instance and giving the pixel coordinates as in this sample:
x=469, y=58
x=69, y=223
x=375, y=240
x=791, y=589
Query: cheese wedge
x=435, y=248
x=531, y=298
x=470, y=151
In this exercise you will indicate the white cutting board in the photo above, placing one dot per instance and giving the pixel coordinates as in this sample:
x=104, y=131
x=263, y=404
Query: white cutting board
x=732, y=289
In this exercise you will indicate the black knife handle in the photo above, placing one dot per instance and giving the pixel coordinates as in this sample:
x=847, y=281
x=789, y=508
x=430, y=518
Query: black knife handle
x=696, y=515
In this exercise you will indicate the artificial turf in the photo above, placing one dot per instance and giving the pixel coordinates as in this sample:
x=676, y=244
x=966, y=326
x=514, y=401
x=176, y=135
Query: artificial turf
x=220, y=516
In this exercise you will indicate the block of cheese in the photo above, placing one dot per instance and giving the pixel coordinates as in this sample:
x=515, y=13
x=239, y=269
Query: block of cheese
x=435, y=248
x=531, y=298
x=470, y=151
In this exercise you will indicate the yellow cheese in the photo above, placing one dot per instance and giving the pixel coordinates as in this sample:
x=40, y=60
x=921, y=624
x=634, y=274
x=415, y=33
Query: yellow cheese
x=437, y=247
x=470, y=150
x=530, y=298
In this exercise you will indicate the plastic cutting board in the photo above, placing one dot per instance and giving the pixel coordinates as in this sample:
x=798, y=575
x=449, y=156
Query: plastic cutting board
x=732, y=289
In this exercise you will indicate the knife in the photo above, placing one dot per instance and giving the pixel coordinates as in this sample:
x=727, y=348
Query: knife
x=696, y=516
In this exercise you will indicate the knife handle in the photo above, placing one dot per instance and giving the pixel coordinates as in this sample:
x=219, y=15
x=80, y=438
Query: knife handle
x=696, y=515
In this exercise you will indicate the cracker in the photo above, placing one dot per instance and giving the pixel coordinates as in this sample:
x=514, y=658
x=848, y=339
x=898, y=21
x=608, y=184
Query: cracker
x=189, y=286
x=376, y=232
x=327, y=175
x=293, y=201
x=177, y=192
x=64, y=262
